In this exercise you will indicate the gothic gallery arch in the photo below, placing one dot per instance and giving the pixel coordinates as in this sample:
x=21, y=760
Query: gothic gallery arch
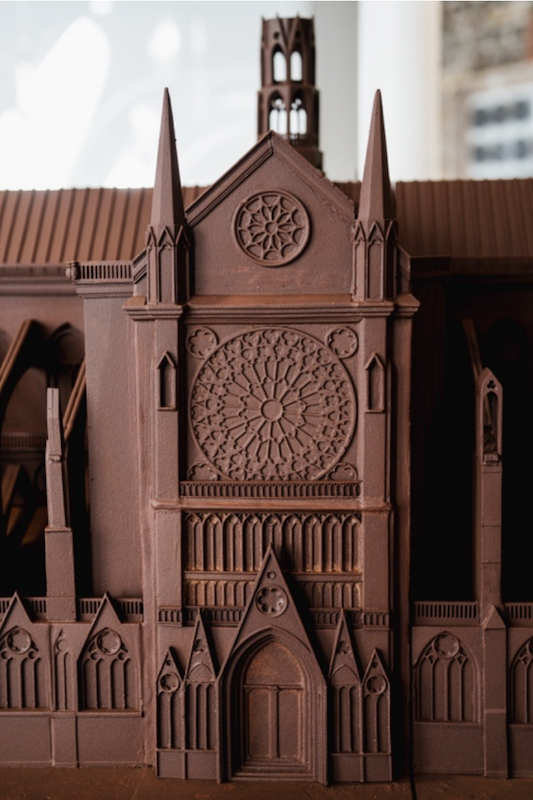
x=274, y=713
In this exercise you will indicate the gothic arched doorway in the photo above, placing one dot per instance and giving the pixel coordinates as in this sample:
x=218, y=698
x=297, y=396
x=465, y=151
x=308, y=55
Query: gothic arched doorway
x=272, y=723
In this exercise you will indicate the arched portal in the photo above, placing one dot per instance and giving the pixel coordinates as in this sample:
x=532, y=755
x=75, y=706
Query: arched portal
x=273, y=723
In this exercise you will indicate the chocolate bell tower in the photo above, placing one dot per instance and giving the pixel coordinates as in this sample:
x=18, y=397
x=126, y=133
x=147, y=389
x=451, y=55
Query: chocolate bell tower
x=288, y=98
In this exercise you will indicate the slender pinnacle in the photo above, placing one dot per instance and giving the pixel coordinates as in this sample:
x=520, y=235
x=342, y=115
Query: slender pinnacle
x=376, y=194
x=167, y=199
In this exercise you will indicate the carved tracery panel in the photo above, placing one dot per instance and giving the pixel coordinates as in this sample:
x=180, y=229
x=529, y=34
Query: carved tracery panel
x=170, y=734
x=376, y=705
x=522, y=685
x=108, y=677
x=22, y=673
x=446, y=682
x=272, y=228
x=346, y=700
x=237, y=542
x=200, y=697
x=273, y=404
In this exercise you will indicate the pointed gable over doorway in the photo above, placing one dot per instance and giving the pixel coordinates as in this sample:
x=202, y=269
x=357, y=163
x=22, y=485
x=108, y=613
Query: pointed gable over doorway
x=272, y=690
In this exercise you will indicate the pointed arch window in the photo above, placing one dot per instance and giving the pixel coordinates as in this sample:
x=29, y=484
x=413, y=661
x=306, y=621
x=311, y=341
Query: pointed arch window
x=489, y=417
x=169, y=701
x=200, y=696
x=277, y=119
x=107, y=674
x=298, y=118
x=346, y=694
x=346, y=709
x=166, y=383
x=22, y=683
x=375, y=385
x=279, y=66
x=522, y=685
x=446, y=683
x=376, y=707
x=296, y=66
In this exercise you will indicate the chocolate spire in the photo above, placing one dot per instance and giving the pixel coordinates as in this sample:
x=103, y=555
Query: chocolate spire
x=167, y=199
x=376, y=195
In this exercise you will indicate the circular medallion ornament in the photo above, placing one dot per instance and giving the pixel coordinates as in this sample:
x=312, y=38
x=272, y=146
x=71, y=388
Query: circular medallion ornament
x=343, y=341
x=169, y=682
x=108, y=642
x=376, y=684
x=271, y=600
x=273, y=404
x=19, y=640
x=447, y=645
x=201, y=342
x=272, y=228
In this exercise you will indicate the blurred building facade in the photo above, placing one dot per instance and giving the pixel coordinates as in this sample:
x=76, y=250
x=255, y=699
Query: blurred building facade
x=487, y=90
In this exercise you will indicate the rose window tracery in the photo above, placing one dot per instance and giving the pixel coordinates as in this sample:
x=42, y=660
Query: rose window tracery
x=272, y=228
x=273, y=404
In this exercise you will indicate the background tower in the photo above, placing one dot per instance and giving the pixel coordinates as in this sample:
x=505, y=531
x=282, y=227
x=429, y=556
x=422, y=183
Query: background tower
x=288, y=98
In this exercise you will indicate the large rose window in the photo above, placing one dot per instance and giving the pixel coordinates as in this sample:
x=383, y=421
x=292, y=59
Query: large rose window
x=273, y=404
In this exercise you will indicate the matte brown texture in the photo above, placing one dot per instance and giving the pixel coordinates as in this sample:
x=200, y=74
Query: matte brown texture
x=251, y=388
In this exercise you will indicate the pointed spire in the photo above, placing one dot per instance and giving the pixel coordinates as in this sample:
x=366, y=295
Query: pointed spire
x=376, y=195
x=167, y=199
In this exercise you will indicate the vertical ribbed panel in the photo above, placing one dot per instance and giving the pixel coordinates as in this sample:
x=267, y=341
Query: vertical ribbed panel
x=33, y=227
x=75, y=224
x=19, y=225
x=77, y=215
x=116, y=231
x=456, y=218
x=61, y=226
x=43, y=246
x=465, y=218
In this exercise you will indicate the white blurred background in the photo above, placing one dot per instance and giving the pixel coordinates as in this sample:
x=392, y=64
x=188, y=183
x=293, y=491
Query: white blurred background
x=82, y=83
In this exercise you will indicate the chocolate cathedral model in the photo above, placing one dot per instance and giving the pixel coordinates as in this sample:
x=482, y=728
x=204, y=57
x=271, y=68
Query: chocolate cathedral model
x=250, y=598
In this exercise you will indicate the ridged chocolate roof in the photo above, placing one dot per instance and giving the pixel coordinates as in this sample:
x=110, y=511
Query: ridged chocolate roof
x=435, y=218
x=52, y=227
x=466, y=218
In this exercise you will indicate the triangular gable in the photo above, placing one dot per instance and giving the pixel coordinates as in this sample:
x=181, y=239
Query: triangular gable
x=24, y=660
x=271, y=608
x=107, y=619
x=200, y=666
x=343, y=669
x=270, y=145
x=15, y=616
x=375, y=679
x=169, y=679
x=272, y=225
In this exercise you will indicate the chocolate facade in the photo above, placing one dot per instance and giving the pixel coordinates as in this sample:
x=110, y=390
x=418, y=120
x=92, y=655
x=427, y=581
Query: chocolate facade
x=239, y=604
